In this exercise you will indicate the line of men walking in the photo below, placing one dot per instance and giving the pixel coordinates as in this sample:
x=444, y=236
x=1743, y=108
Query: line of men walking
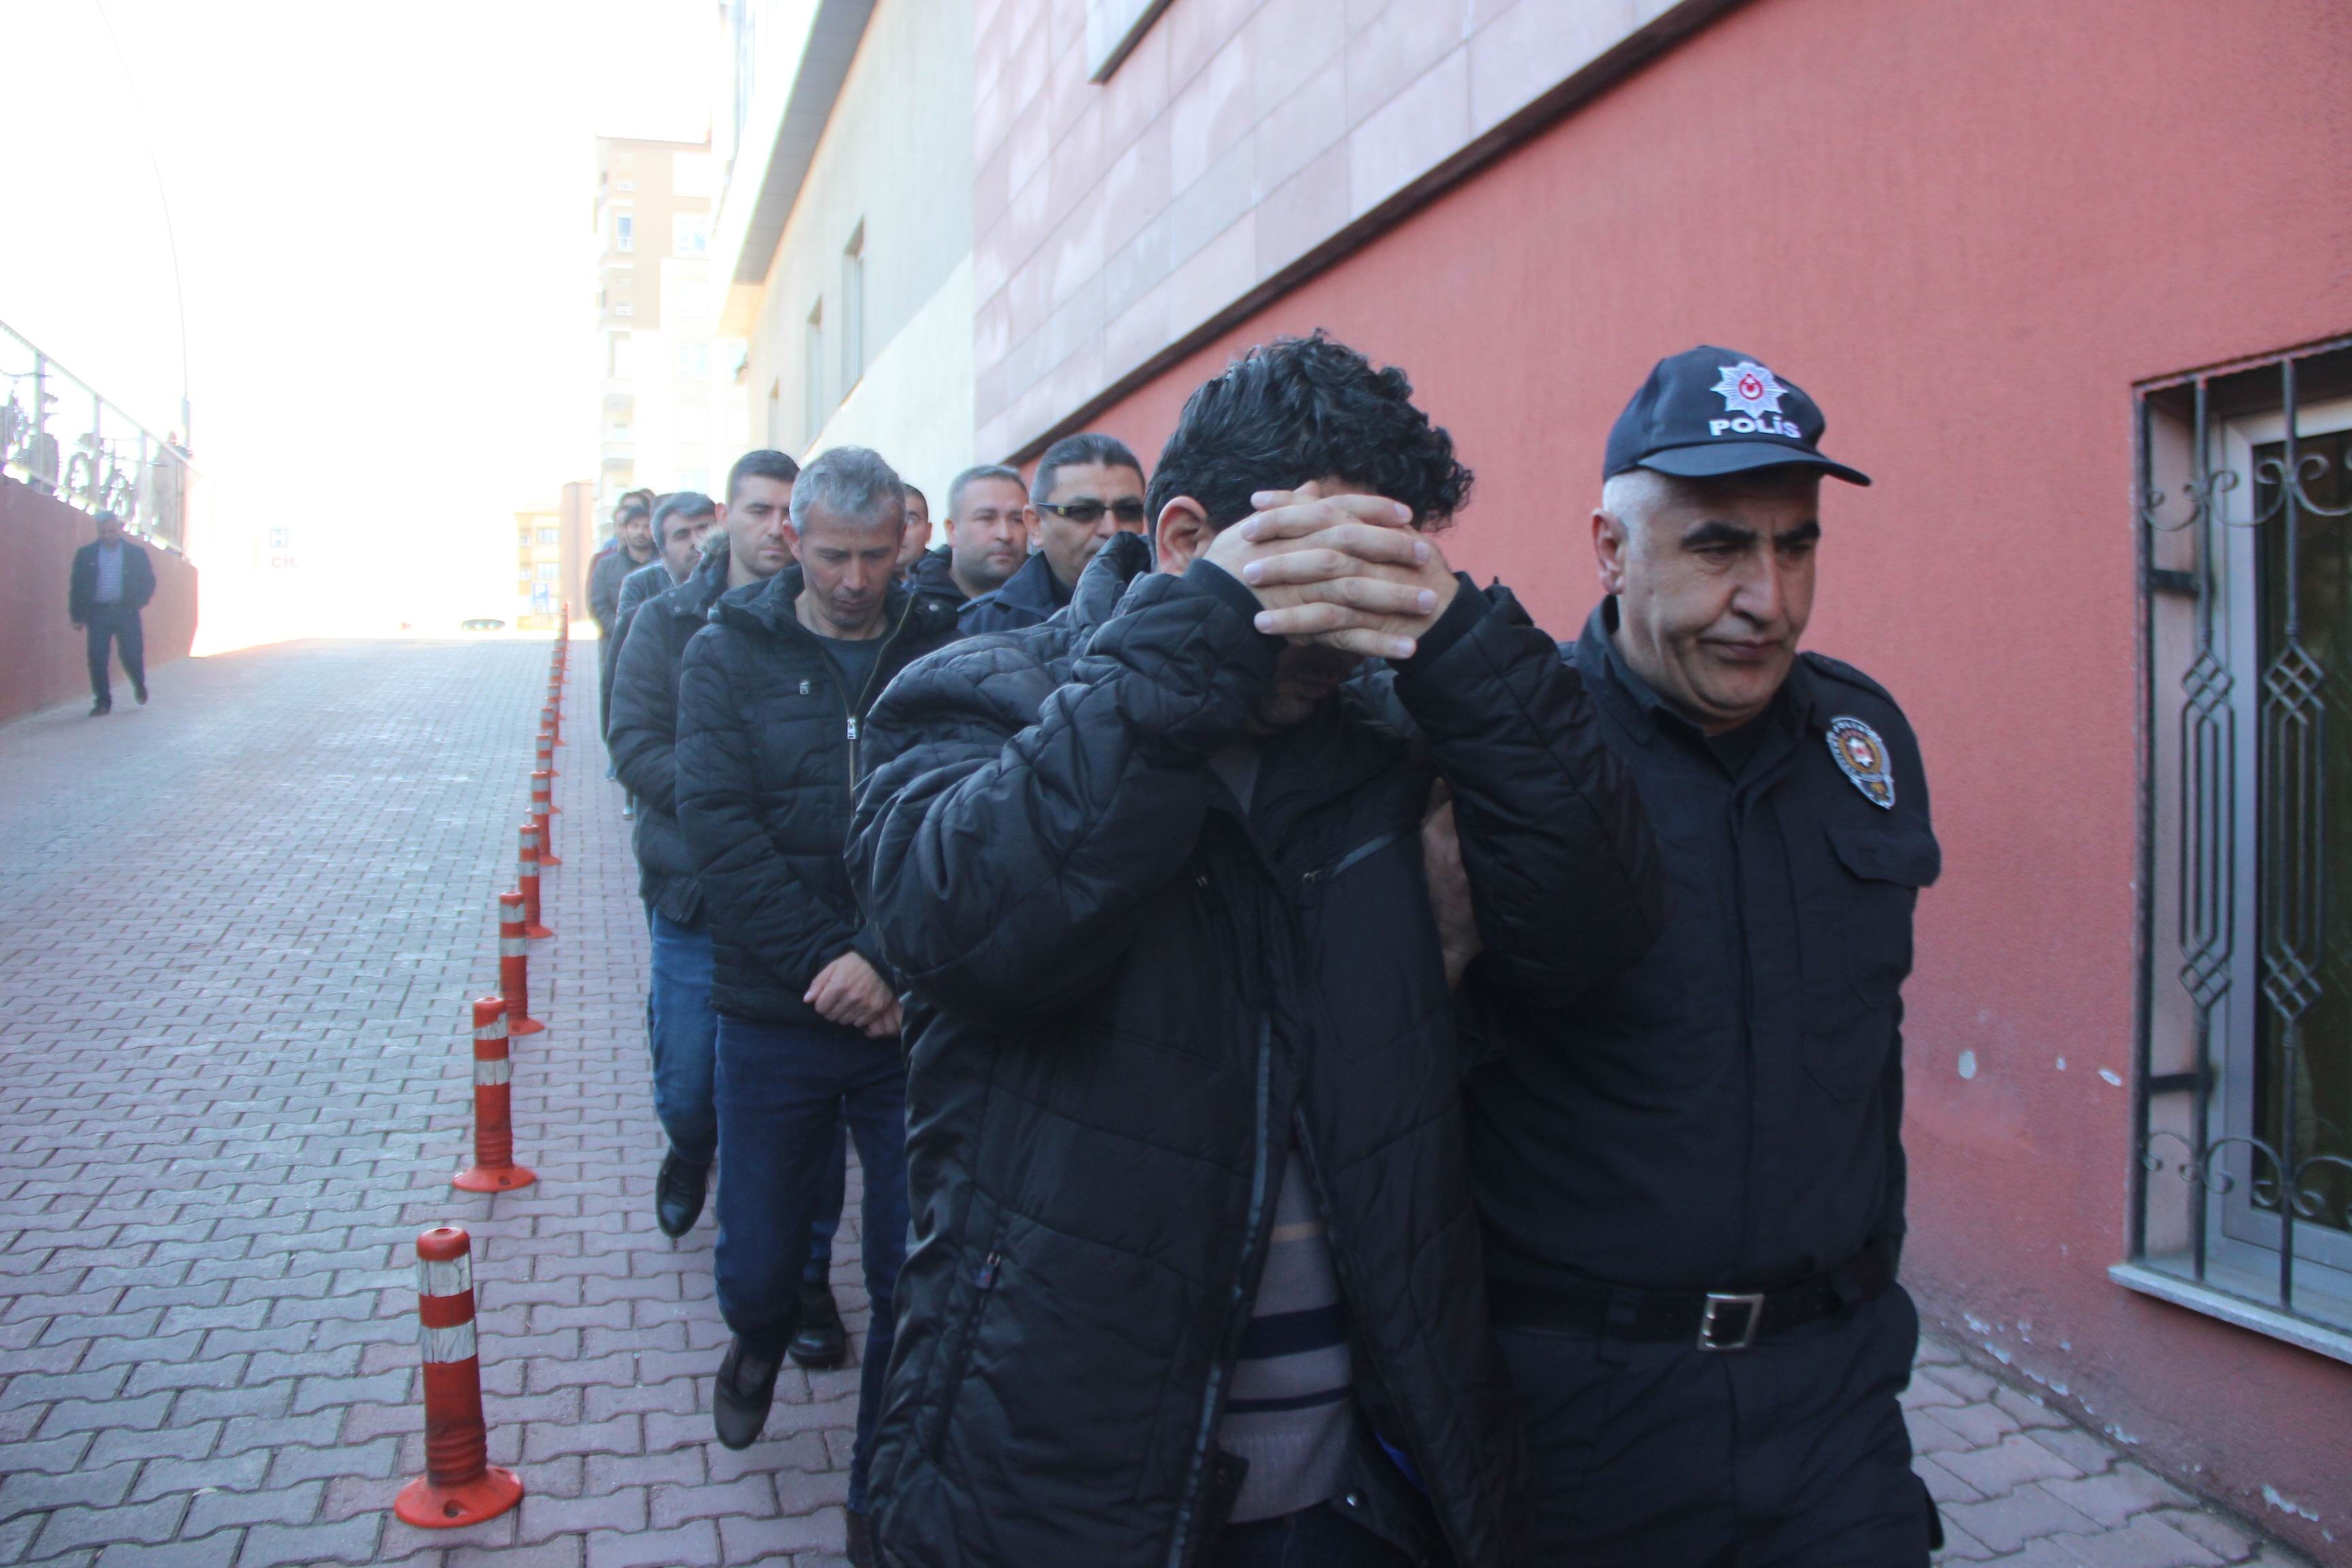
x=1340, y=1077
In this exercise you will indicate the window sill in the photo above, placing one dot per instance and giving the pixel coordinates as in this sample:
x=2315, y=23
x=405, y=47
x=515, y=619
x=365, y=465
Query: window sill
x=2301, y=1333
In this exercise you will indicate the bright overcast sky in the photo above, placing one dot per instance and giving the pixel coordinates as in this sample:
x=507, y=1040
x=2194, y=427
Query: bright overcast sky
x=385, y=234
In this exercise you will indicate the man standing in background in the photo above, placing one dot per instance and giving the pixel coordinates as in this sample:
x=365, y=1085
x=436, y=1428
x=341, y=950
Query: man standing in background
x=988, y=537
x=1089, y=486
x=632, y=547
x=918, y=531
x=111, y=582
x=749, y=548
x=681, y=522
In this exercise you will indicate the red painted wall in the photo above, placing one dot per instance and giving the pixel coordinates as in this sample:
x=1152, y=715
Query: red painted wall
x=41, y=655
x=1966, y=230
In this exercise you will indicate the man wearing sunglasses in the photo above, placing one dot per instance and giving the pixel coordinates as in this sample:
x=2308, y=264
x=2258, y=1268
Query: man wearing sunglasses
x=1088, y=487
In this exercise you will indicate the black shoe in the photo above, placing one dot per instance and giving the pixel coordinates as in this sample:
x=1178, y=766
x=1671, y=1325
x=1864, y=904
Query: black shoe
x=101, y=708
x=861, y=1541
x=739, y=1401
x=138, y=690
x=822, y=1342
x=678, y=1195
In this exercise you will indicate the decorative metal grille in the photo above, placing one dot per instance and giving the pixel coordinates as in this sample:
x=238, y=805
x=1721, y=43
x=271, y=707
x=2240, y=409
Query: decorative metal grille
x=2243, y=1184
x=62, y=439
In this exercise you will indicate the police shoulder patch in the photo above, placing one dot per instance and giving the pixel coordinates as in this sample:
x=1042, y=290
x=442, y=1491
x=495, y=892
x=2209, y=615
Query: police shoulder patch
x=1863, y=757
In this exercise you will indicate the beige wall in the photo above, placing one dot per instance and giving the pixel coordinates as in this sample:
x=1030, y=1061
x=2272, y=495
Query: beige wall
x=895, y=160
x=669, y=408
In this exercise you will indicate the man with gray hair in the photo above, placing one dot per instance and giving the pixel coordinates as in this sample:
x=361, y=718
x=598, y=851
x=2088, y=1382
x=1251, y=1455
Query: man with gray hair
x=771, y=695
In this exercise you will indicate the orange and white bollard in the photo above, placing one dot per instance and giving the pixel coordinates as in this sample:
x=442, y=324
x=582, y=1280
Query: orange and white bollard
x=551, y=715
x=543, y=753
x=543, y=806
x=460, y=1486
x=494, y=1170
x=514, y=966
x=527, y=878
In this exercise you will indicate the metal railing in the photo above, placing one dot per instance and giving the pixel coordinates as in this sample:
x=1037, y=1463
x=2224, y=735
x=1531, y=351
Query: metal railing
x=60, y=436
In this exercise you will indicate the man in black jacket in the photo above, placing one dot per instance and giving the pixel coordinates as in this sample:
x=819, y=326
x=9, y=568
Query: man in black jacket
x=682, y=520
x=1197, y=1273
x=1088, y=486
x=988, y=536
x=111, y=582
x=631, y=546
x=770, y=700
x=750, y=551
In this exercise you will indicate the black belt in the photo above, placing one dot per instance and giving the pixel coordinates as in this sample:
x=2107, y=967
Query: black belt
x=1710, y=1319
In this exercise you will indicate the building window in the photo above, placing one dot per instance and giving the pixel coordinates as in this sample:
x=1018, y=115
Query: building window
x=547, y=538
x=2242, y=1198
x=694, y=361
x=812, y=408
x=624, y=231
x=852, y=309
x=1113, y=30
x=547, y=570
x=690, y=233
x=618, y=360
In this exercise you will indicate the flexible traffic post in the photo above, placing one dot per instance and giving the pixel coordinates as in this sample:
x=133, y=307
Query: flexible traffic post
x=543, y=753
x=538, y=811
x=514, y=965
x=459, y=1485
x=493, y=1169
x=527, y=878
x=551, y=718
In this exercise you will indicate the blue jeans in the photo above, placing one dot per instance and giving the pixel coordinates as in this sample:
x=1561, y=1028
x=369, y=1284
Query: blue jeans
x=784, y=1091
x=683, y=1031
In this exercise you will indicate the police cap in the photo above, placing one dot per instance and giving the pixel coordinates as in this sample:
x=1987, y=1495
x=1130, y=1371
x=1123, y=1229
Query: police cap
x=1710, y=411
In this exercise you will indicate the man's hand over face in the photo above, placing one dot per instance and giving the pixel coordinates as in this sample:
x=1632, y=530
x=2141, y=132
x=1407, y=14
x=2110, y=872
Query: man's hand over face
x=1345, y=572
x=848, y=991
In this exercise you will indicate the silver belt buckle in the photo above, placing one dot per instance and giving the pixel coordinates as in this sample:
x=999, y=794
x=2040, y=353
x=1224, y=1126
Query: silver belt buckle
x=1712, y=1330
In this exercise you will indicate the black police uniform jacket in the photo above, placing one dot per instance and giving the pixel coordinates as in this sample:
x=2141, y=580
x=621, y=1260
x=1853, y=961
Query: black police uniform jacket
x=643, y=731
x=1726, y=1114
x=1128, y=1001
x=767, y=761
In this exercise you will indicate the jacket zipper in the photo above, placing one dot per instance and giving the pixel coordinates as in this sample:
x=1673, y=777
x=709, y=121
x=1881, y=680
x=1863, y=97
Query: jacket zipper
x=848, y=708
x=1212, y=1396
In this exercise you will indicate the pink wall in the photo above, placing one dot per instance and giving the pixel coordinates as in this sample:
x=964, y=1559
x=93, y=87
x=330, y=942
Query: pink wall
x=41, y=656
x=1966, y=230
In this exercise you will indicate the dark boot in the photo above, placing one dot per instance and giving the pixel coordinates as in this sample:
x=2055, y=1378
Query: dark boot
x=746, y=1387
x=678, y=1195
x=821, y=1342
x=102, y=707
x=138, y=690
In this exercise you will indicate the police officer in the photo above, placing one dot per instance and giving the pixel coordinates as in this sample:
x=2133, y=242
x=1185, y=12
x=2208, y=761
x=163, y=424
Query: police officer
x=1694, y=1181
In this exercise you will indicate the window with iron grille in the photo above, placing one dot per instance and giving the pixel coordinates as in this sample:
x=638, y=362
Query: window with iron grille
x=2241, y=1201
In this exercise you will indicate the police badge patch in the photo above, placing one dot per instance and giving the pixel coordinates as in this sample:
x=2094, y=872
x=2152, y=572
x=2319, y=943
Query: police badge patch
x=1861, y=757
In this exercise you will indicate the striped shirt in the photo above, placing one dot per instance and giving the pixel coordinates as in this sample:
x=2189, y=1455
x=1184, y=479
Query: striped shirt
x=1291, y=1411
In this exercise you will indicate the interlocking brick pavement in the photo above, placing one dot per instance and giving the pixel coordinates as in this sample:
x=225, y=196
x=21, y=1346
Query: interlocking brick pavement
x=238, y=930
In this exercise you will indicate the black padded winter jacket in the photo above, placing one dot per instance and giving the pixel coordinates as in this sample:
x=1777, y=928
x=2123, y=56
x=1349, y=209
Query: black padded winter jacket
x=1127, y=1001
x=767, y=761
x=644, y=737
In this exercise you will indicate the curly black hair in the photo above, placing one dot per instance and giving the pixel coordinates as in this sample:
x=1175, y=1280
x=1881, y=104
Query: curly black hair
x=1308, y=408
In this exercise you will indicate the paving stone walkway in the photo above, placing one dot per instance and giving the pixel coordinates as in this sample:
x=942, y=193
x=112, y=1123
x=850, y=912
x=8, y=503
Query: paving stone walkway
x=238, y=931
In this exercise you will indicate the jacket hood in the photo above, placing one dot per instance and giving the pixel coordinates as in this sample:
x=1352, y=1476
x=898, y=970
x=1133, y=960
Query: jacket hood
x=1122, y=562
